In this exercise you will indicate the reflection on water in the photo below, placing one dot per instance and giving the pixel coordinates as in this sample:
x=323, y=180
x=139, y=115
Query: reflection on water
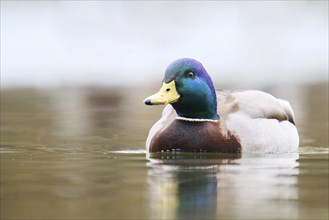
x=190, y=194
x=79, y=153
x=210, y=188
x=184, y=186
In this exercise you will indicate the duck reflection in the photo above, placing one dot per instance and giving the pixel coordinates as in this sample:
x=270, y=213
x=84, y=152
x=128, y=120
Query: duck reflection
x=184, y=185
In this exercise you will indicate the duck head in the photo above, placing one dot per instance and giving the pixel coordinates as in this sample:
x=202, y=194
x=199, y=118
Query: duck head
x=189, y=89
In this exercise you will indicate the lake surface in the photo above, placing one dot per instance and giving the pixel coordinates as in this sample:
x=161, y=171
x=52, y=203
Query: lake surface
x=79, y=153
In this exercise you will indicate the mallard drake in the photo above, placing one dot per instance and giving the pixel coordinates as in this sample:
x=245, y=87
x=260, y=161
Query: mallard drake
x=196, y=118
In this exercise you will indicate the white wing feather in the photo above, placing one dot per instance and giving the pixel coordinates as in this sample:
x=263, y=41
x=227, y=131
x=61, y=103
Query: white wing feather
x=262, y=122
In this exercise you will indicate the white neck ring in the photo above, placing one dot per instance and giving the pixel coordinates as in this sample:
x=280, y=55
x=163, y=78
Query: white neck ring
x=196, y=119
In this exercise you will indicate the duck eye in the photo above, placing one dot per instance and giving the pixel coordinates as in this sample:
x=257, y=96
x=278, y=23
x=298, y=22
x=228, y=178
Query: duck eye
x=190, y=75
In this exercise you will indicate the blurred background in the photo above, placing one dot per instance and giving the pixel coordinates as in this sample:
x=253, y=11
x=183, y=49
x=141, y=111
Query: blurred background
x=124, y=43
x=73, y=125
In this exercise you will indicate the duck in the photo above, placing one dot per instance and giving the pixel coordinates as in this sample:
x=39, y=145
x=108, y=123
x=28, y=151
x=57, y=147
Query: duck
x=198, y=118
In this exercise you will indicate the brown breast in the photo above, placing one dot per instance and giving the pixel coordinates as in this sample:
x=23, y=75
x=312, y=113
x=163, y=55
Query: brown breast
x=189, y=136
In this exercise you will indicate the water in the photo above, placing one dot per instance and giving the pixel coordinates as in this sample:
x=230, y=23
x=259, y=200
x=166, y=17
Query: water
x=79, y=153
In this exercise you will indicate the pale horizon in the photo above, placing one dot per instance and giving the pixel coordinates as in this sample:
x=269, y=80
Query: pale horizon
x=56, y=43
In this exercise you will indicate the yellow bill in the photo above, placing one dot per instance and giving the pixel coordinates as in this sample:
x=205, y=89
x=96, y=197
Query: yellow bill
x=167, y=94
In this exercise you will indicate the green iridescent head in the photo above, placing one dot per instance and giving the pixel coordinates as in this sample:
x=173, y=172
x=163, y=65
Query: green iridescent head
x=189, y=89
